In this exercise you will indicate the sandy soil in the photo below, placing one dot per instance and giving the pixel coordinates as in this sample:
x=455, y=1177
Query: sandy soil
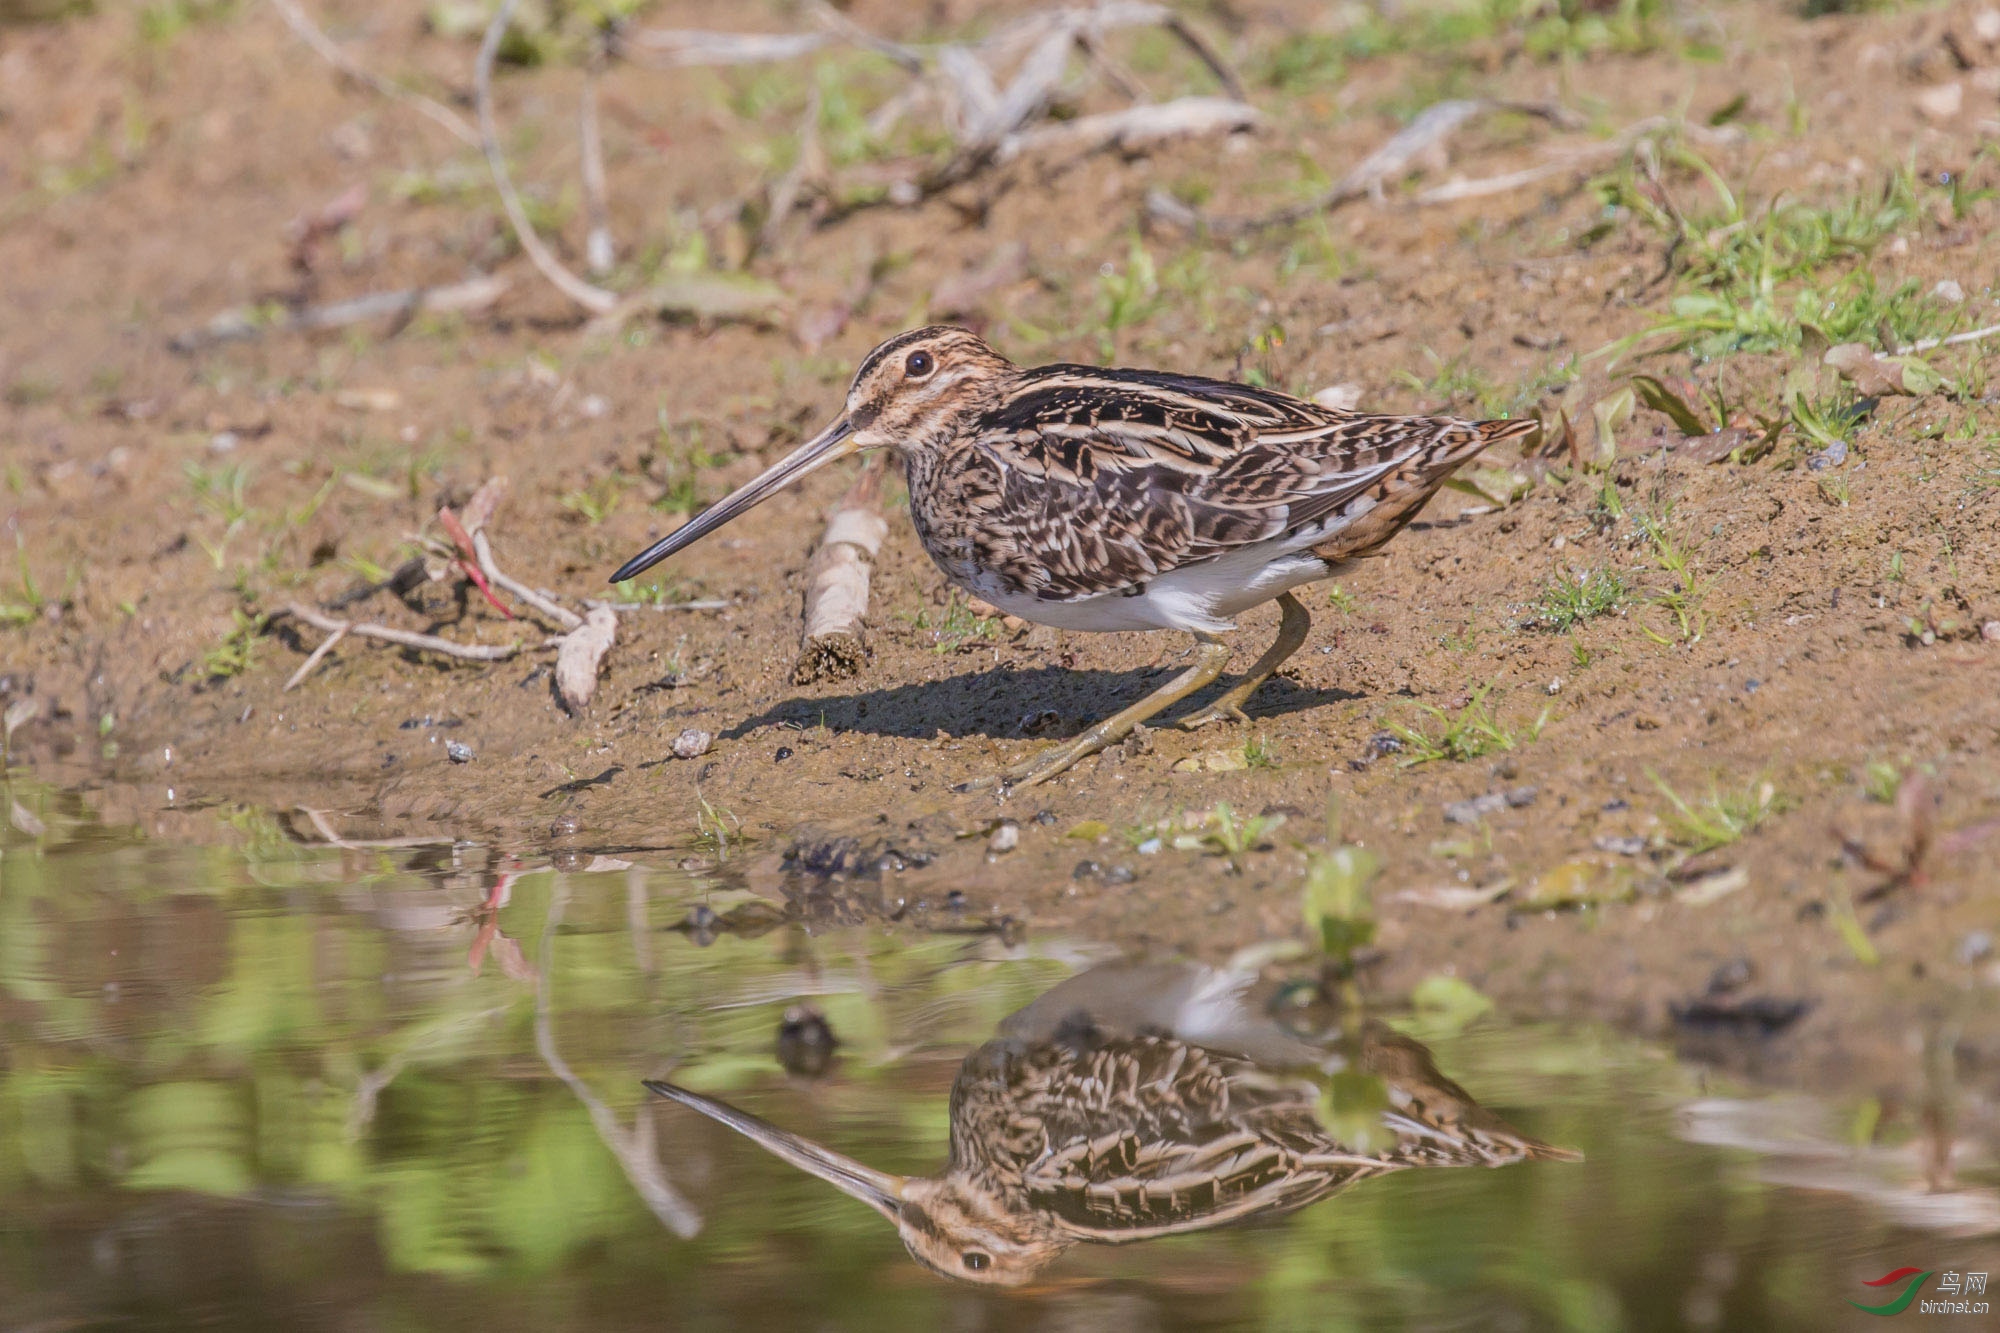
x=147, y=180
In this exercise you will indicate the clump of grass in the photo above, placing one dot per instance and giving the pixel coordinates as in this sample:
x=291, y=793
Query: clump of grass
x=237, y=652
x=1225, y=834
x=1766, y=279
x=956, y=626
x=1719, y=819
x=1881, y=780
x=1571, y=598
x=1471, y=733
x=1687, y=597
x=597, y=501
x=1257, y=753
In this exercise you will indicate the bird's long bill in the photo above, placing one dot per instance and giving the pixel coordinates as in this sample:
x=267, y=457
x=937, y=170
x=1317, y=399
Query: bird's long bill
x=836, y=441
x=878, y=1189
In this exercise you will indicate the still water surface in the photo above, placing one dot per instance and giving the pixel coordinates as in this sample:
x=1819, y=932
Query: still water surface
x=263, y=1084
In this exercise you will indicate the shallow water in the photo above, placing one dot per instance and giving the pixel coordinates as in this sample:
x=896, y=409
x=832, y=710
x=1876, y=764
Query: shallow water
x=263, y=1084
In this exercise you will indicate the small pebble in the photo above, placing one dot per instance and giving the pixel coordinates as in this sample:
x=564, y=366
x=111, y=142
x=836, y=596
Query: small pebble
x=954, y=901
x=784, y=753
x=1120, y=875
x=1086, y=870
x=1990, y=631
x=1949, y=292
x=563, y=826
x=693, y=743
x=1384, y=742
x=1005, y=838
x=1975, y=947
x=1832, y=456
x=1729, y=976
x=1045, y=817
x=1631, y=846
x=1150, y=847
x=458, y=752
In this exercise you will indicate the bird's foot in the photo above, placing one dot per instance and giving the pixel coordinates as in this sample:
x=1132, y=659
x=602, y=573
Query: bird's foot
x=1041, y=766
x=1220, y=711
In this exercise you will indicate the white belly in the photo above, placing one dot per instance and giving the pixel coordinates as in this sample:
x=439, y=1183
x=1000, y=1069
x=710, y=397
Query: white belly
x=1206, y=596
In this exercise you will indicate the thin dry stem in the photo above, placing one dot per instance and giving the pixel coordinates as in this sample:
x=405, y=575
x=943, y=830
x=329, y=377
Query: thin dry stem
x=308, y=32
x=430, y=643
x=592, y=298
x=540, y=601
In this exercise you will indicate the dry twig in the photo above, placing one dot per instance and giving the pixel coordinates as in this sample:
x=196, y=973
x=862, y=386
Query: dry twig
x=430, y=643
x=540, y=601
x=308, y=32
x=836, y=603
x=580, y=654
x=599, y=251
x=247, y=322
x=318, y=655
x=591, y=297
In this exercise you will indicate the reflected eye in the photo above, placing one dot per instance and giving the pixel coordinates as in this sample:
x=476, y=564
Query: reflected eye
x=976, y=1261
x=919, y=365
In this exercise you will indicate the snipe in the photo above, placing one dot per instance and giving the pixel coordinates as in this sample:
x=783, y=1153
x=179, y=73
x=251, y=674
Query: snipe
x=1094, y=499
x=1104, y=1116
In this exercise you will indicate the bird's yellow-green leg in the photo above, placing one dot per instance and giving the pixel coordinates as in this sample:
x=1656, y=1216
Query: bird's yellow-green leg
x=1293, y=626
x=1211, y=655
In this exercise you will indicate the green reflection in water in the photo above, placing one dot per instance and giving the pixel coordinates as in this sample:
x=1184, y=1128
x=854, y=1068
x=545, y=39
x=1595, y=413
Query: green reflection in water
x=258, y=1084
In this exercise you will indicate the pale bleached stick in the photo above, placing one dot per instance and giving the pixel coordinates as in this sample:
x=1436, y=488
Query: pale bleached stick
x=306, y=668
x=1970, y=336
x=785, y=191
x=469, y=652
x=591, y=297
x=1135, y=126
x=837, y=582
x=308, y=32
x=246, y=322
x=599, y=252
x=580, y=654
x=540, y=601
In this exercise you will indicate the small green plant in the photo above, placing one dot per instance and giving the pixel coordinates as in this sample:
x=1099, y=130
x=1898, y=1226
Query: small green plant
x=1721, y=818
x=237, y=652
x=1338, y=901
x=1257, y=753
x=956, y=626
x=1685, y=598
x=1126, y=296
x=1571, y=598
x=597, y=501
x=1881, y=780
x=32, y=601
x=1343, y=601
x=1470, y=733
x=1226, y=835
x=714, y=826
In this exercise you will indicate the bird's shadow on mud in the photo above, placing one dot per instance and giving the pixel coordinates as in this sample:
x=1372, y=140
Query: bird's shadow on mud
x=1002, y=702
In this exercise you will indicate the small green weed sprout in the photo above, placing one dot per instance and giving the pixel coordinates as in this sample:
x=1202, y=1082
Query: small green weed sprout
x=1571, y=598
x=1719, y=819
x=1471, y=733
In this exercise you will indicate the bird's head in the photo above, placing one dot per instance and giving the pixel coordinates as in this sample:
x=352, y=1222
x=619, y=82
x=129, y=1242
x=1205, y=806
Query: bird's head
x=913, y=391
x=953, y=1226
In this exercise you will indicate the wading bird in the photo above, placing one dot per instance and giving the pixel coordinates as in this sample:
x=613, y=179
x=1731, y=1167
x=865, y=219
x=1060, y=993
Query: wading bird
x=1108, y=1118
x=1094, y=499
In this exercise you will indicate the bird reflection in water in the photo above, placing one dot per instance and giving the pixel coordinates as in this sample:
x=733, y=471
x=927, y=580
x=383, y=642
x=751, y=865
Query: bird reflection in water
x=1138, y=1101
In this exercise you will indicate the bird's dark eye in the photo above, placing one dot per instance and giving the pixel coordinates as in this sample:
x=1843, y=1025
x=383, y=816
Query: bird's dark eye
x=976, y=1261
x=919, y=365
